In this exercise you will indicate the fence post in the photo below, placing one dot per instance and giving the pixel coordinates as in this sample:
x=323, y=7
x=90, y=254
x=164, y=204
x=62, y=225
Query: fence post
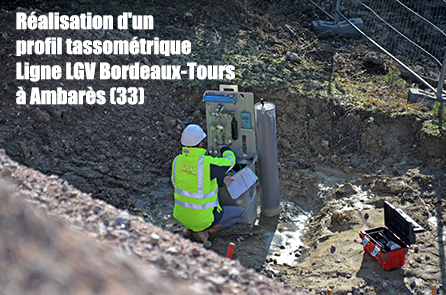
x=440, y=90
x=337, y=10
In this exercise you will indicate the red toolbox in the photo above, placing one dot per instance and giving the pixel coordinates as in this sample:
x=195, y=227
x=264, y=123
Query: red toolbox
x=388, y=244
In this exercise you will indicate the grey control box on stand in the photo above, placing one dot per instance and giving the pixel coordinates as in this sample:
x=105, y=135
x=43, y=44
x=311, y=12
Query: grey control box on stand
x=230, y=122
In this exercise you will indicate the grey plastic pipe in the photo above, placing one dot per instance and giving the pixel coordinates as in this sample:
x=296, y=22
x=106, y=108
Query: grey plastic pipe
x=265, y=116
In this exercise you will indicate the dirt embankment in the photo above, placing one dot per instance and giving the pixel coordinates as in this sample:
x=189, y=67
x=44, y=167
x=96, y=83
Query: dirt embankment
x=114, y=152
x=72, y=243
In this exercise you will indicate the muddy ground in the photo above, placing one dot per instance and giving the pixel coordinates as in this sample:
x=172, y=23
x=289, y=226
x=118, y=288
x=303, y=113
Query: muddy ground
x=336, y=163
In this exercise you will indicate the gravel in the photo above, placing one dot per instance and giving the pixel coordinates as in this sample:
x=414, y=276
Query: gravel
x=56, y=239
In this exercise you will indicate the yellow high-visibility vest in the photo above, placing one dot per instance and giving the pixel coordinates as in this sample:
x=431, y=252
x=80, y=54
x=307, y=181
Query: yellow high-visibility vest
x=196, y=195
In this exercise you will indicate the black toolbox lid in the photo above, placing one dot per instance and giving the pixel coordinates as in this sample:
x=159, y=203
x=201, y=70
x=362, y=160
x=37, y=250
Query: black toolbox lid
x=401, y=224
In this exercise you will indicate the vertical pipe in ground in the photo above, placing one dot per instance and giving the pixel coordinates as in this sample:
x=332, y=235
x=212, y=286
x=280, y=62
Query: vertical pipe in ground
x=265, y=114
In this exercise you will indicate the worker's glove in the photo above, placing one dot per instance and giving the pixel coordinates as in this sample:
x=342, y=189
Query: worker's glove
x=224, y=148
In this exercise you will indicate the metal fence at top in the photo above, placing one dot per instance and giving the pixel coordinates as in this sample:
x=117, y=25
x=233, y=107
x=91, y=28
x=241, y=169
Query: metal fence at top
x=411, y=31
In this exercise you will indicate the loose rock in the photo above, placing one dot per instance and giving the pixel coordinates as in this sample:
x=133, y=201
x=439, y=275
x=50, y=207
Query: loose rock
x=291, y=56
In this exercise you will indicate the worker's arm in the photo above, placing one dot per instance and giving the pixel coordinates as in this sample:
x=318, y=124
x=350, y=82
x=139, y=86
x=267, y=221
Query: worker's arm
x=220, y=166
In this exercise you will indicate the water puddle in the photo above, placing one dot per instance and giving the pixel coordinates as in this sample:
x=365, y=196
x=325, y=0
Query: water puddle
x=284, y=238
x=286, y=241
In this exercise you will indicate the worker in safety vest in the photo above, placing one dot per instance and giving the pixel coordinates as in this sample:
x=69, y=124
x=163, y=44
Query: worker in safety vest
x=195, y=177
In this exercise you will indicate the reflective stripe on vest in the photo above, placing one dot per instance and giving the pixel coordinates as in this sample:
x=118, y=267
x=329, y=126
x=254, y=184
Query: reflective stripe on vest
x=197, y=206
x=228, y=156
x=174, y=169
x=196, y=195
x=200, y=174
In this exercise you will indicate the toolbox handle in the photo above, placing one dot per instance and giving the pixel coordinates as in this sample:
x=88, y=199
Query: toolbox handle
x=233, y=88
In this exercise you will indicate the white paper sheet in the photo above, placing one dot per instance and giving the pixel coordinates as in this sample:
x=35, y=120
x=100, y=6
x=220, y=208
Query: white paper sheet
x=243, y=180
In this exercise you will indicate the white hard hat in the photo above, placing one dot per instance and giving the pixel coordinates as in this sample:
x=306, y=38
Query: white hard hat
x=192, y=135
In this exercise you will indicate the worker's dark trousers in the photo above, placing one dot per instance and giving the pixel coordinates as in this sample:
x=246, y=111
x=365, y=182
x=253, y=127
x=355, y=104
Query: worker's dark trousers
x=228, y=216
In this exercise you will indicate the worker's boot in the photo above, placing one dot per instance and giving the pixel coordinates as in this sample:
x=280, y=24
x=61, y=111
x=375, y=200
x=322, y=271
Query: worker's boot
x=187, y=233
x=203, y=236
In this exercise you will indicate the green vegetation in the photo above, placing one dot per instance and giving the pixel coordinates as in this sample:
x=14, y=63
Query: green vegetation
x=393, y=78
x=434, y=127
x=439, y=111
